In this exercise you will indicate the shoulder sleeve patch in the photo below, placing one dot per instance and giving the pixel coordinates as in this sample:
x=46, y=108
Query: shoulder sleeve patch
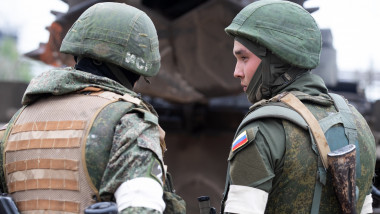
x=240, y=140
x=243, y=139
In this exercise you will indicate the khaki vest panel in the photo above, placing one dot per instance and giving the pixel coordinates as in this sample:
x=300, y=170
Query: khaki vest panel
x=44, y=154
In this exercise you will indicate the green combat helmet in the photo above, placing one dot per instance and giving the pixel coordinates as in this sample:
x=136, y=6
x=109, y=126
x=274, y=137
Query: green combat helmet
x=115, y=33
x=285, y=28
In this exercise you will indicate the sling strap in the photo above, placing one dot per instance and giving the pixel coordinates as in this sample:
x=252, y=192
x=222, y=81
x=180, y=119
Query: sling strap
x=319, y=136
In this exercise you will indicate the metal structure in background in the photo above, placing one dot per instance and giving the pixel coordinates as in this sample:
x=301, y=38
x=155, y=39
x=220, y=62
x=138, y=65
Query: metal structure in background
x=199, y=102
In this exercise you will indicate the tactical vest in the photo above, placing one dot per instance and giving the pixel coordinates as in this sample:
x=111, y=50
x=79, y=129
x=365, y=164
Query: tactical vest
x=304, y=185
x=44, y=152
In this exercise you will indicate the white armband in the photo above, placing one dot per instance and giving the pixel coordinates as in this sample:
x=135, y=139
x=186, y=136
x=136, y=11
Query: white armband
x=243, y=199
x=367, y=206
x=140, y=192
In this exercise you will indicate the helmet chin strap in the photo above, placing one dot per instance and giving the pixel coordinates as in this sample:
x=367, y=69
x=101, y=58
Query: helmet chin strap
x=259, y=87
x=253, y=90
x=266, y=86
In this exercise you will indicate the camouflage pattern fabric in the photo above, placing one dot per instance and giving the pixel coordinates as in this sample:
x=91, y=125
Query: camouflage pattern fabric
x=134, y=210
x=128, y=160
x=292, y=159
x=125, y=147
x=67, y=80
x=369, y=159
x=118, y=34
x=99, y=142
x=298, y=185
x=174, y=203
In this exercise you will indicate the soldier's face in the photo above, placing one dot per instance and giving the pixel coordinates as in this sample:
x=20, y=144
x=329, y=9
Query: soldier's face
x=246, y=64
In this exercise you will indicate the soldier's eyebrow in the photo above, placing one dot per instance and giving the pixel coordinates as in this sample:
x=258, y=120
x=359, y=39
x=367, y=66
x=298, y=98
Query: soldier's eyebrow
x=239, y=52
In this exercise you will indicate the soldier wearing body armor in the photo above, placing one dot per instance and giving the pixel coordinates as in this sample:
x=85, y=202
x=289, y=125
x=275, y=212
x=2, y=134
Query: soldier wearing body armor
x=83, y=136
x=275, y=162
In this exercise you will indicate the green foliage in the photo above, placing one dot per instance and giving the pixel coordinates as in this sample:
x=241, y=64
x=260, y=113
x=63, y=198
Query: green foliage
x=13, y=67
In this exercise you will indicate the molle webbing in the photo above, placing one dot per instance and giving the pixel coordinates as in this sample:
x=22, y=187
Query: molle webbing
x=45, y=151
x=38, y=143
x=43, y=183
x=43, y=164
x=53, y=205
x=50, y=126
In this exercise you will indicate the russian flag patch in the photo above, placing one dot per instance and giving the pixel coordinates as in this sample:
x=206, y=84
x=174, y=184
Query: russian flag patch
x=240, y=141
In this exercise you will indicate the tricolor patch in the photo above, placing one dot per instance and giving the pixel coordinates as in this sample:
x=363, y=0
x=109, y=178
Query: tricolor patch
x=240, y=141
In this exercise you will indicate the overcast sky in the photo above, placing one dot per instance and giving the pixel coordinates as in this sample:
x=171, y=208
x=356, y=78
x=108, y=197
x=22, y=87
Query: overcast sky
x=28, y=18
x=355, y=26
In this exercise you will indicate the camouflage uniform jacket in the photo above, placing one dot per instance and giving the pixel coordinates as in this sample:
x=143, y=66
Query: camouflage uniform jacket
x=279, y=158
x=127, y=145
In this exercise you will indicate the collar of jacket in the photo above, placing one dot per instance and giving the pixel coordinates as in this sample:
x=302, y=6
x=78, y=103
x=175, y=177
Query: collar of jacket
x=68, y=80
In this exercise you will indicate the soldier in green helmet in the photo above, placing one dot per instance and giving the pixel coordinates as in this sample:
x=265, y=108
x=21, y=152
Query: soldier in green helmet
x=277, y=162
x=83, y=135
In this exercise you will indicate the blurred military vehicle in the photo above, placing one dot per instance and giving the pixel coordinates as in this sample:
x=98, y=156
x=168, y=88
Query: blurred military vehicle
x=199, y=102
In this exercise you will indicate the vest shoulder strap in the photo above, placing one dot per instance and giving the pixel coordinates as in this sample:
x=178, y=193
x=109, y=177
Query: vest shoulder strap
x=274, y=111
x=113, y=97
x=347, y=118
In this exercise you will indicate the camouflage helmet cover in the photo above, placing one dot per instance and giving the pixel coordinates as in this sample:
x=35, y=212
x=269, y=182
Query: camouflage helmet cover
x=285, y=28
x=116, y=33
